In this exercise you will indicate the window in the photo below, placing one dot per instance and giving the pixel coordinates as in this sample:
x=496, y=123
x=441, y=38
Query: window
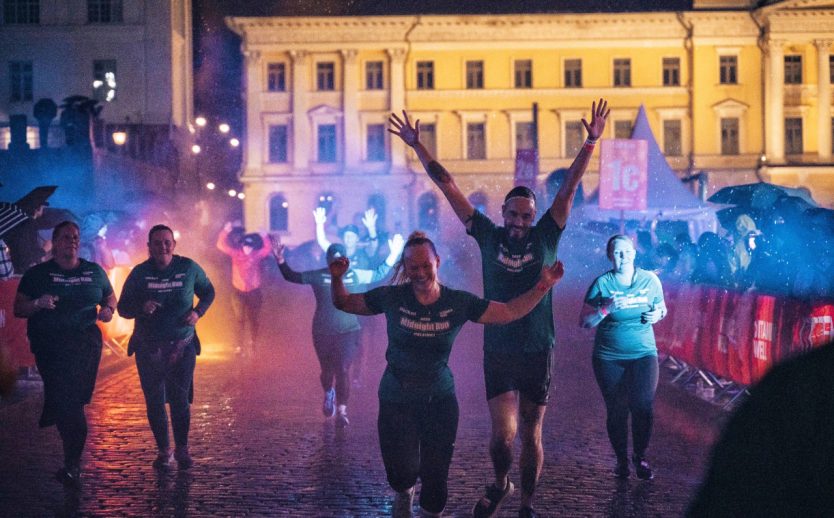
x=376, y=142
x=326, y=76
x=21, y=11
x=574, y=137
x=279, y=213
x=428, y=137
x=278, y=138
x=327, y=143
x=475, y=141
x=671, y=71
x=104, y=11
x=729, y=136
x=831, y=68
x=373, y=75
x=622, y=129
x=425, y=75
x=524, y=135
x=573, y=73
x=20, y=81
x=622, y=72
x=672, y=138
x=427, y=212
x=276, y=77
x=474, y=74
x=728, y=70
x=793, y=136
x=793, y=70
x=104, y=80
x=523, y=73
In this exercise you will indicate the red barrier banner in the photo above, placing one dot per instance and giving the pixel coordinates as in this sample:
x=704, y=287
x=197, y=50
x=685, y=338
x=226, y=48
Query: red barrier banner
x=738, y=330
x=685, y=322
x=818, y=326
x=663, y=329
x=13, y=338
x=712, y=337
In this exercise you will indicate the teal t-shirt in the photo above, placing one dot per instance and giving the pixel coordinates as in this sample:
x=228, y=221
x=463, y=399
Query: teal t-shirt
x=420, y=339
x=621, y=335
x=327, y=319
x=174, y=288
x=79, y=291
x=511, y=268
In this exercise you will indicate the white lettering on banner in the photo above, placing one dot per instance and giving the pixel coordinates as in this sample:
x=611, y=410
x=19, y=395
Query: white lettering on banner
x=822, y=329
x=762, y=338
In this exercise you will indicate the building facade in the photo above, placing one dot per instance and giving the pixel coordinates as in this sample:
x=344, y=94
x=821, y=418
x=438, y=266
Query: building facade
x=737, y=92
x=134, y=56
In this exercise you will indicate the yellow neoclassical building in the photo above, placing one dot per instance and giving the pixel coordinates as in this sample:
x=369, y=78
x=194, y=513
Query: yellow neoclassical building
x=734, y=91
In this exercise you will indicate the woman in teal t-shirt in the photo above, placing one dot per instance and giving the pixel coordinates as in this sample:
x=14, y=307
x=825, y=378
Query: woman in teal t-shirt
x=418, y=409
x=622, y=304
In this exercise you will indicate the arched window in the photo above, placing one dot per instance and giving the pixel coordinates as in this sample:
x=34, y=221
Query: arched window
x=279, y=209
x=479, y=200
x=427, y=213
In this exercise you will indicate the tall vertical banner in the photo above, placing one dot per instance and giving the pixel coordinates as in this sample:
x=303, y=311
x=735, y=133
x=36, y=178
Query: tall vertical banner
x=526, y=168
x=623, y=174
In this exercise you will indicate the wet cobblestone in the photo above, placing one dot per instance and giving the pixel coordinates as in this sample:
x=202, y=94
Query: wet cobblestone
x=262, y=448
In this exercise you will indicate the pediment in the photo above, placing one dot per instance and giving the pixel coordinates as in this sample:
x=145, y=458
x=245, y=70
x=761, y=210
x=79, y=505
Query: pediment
x=324, y=110
x=730, y=104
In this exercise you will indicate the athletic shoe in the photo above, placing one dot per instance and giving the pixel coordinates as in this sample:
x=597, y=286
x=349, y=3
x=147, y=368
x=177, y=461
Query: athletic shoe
x=527, y=512
x=69, y=477
x=642, y=468
x=403, y=503
x=184, y=460
x=489, y=504
x=163, y=459
x=342, y=420
x=622, y=470
x=328, y=408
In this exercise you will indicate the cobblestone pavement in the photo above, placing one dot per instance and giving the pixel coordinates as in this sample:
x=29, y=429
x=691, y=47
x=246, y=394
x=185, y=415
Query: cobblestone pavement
x=262, y=447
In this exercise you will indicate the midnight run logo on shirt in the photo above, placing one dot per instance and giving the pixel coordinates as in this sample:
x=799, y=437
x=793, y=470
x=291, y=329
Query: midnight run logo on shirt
x=514, y=262
x=634, y=300
x=85, y=277
x=155, y=283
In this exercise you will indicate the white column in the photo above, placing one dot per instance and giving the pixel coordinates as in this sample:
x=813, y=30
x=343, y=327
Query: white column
x=350, y=109
x=396, y=90
x=775, y=106
x=300, y=123
x=255, y=132
x=824, y=99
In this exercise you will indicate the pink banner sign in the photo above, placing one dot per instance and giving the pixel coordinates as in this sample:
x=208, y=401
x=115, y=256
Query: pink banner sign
x=623, y=174
x=526, y=167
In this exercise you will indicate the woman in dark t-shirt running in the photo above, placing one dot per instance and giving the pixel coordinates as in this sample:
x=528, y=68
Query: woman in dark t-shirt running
x=418, y=408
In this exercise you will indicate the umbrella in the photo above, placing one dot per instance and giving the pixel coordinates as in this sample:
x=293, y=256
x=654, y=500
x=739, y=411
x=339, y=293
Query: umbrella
x=759, y=195
x=10, y=216
x=35, y=198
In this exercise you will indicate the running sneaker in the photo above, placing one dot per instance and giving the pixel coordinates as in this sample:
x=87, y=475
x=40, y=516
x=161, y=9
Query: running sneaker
x=403, y=503
x=163, y=459
x=328, y=408
x=527, y=512
x=621, y=470
x=342, y=420
x=642, y=468
x=184, y=460
x=69, y=477
x=489, y=504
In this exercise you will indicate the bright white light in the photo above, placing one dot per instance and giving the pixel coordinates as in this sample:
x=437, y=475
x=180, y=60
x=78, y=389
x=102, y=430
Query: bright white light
x=196, y=149
x=285, y=204
x=119, y=138
x=111, y=94
x=200, y=121
x=110, y=79
x=191, y=128
x=234, y=142
x=224, y=128
x=210, y=186
x=176, y=235
x=240, y=196
x=232, y=193
x=97, y=83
